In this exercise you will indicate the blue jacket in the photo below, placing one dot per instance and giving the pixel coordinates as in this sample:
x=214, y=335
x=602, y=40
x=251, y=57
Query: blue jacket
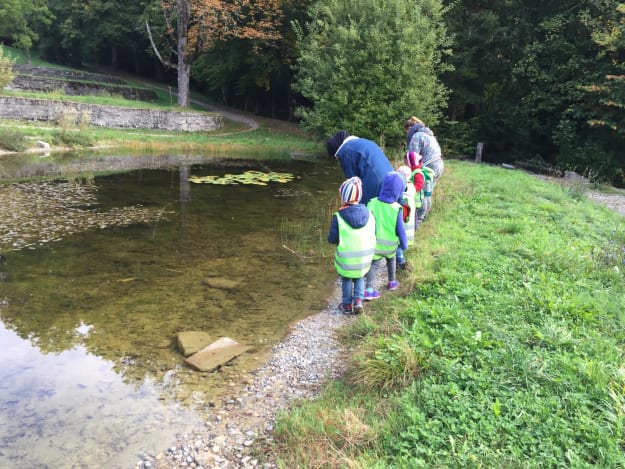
x=392, y=188
x=356, y=216
x=365, y=159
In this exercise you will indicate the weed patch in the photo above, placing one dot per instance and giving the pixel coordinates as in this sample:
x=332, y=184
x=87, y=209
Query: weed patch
x=12, y=140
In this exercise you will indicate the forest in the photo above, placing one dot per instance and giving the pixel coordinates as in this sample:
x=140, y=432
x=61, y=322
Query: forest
x=534, y=81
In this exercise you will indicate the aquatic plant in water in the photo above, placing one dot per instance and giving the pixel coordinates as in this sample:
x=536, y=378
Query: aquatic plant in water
x=248, y=177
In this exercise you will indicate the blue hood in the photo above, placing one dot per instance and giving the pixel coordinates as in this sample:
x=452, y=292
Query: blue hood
x=392, y=187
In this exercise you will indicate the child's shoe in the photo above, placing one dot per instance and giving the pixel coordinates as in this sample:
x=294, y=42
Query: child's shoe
x=345, y=308
x=393, y=284
x=371, y=294
x=401, y=265
x=358, y=309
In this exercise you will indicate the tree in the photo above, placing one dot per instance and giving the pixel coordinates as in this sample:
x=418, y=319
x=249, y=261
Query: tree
x=19, y=19
x=93, y=26
x=6, y=69
x=366, y=65
x=195, y=26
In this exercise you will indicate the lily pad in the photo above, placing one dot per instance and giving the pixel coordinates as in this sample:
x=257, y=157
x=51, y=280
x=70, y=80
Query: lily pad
x=257, y=178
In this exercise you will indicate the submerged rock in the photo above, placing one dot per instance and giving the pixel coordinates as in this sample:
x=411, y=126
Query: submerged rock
x=221, y=283
x=216, y=354
x=190, y=342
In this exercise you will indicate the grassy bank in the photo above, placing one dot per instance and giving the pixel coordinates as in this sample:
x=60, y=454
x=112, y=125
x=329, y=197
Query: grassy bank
x=505, y=349
x=271, y=136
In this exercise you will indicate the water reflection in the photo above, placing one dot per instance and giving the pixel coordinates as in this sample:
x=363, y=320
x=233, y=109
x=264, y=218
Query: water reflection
x=90, y=320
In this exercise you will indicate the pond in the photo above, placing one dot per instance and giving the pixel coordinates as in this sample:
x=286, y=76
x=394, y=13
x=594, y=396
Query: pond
x=100, y=269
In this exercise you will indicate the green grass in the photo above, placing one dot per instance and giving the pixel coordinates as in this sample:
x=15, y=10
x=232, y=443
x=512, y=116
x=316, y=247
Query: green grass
x=271, y=138
x=515, y=315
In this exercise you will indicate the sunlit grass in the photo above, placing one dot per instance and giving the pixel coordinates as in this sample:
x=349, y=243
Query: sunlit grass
x=505, y=349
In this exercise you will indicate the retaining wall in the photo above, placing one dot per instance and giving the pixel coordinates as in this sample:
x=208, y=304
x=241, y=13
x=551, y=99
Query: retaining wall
x=78, y=88
x=63, y=74
x=107, y=116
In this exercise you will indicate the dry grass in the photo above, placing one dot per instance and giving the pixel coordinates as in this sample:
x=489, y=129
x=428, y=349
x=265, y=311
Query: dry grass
x=339, y=435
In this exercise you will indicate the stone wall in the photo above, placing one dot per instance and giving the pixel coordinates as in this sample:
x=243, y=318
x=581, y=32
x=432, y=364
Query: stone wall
x=63, y=74
x=107, y=116
x=78, y=88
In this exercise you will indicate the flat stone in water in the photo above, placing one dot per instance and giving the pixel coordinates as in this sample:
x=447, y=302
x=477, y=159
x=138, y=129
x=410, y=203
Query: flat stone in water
x=216, y=354
x=190, y=342
x=221, y=283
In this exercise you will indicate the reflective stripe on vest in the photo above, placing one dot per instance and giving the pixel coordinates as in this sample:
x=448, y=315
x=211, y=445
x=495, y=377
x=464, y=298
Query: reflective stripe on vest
x=356, y=247
x=386, y=216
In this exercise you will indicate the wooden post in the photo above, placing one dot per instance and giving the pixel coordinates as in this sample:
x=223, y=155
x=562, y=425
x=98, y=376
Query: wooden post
x=478, y=152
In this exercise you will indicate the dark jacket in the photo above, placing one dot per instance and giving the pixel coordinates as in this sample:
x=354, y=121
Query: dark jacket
x=365, y=159
x=356, y=216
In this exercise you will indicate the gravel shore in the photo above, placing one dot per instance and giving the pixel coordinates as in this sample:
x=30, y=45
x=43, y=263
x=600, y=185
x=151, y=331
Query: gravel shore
x=239, y=432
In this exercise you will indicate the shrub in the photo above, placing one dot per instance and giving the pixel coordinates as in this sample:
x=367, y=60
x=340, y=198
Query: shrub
x=6, y=69
x=73, y=138
x=12, y=140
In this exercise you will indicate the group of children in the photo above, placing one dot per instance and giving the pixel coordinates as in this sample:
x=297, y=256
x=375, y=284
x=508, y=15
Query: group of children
x=383, y=229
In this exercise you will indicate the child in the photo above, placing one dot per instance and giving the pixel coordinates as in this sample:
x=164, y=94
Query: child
x=409, y=213
x=353, y=231
x=389, y=231
x=429, y=177
x=413, y=161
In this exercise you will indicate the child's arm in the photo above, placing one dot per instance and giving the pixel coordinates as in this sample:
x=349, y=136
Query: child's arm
x=400, y=231
x=333, y=235
x=419, y=181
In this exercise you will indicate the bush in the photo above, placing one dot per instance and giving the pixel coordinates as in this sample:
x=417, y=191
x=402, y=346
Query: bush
x=12, y=140
x=73, y=138
x=6, y=69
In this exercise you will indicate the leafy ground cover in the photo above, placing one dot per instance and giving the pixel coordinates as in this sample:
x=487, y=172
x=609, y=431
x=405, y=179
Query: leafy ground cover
x=505, y=349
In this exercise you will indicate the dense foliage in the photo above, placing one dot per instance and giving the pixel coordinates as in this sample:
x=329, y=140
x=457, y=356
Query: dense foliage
x=366, y=64
x=540, y=80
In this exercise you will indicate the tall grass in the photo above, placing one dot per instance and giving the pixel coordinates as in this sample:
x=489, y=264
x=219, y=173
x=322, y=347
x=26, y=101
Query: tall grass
x=514, y=316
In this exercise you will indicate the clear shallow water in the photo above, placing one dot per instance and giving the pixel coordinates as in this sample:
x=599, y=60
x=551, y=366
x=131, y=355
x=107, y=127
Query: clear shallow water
x=89, y=371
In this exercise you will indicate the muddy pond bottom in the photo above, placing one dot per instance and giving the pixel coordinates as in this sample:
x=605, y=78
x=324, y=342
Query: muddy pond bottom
x=98, y=275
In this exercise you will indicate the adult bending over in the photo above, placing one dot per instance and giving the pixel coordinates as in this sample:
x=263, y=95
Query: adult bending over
x=360, y=157
x=420, y=139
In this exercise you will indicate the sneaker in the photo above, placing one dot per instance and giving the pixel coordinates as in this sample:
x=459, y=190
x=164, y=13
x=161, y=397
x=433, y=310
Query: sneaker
x=401, y=265
x=345, y=308
x=371, y=294
x=392, y=285
x=358, y=309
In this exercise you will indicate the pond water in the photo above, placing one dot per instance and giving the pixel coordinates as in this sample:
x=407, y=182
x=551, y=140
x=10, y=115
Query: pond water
x=99, y=272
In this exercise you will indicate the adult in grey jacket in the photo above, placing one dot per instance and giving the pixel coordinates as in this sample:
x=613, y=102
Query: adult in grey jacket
x=421, y=140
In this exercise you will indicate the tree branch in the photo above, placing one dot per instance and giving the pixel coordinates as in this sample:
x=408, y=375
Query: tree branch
x=164, y=62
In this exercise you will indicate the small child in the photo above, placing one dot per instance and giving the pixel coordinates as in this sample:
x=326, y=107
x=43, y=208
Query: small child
x=409, y=213
x=428, y=186
x=353, y=231
x=414, y=161
x=389, y=230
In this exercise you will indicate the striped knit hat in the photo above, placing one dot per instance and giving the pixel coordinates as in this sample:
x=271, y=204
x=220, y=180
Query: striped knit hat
x=405, y=172
x=413, y=159
x=351, y=191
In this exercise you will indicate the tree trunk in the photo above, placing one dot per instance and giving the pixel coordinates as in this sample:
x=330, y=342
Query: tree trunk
x=184, y=64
